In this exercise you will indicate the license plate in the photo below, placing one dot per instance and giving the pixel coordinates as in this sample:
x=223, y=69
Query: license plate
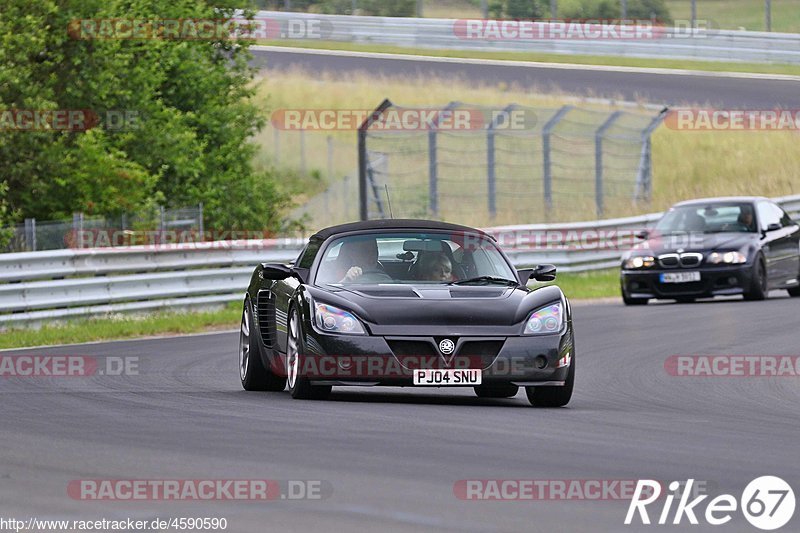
x=444, y=377
x=680, y=277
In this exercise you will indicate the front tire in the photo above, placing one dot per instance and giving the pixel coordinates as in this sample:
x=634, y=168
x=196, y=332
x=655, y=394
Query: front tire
x=794, y=291
x=252, y=373
x=557, y=396
x=758, y=284
x=507, y=390
x=634, y=301
x=299, y=386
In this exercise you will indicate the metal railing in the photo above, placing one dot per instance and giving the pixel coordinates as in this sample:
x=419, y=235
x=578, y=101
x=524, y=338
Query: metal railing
x=666, y=42
x=39, y=287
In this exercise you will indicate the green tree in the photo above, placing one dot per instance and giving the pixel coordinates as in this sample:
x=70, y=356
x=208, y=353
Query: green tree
x=191, y=141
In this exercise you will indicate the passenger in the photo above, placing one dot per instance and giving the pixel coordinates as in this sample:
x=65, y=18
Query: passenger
x=436, y=267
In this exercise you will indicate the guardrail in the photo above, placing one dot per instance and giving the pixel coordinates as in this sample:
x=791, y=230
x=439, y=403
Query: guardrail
x=665, y=42
x=38, y=287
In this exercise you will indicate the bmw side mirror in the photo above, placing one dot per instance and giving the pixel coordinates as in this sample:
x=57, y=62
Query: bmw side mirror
x=642, y=234
x=275, y=271
x=773, y=227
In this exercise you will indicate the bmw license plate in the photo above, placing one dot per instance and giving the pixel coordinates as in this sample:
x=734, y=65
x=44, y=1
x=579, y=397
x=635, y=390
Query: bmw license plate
x=679, y=277
x=448, y=376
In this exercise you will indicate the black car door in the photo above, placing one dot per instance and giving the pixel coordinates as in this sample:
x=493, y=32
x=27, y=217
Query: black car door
x=779, y=243
x=792, y=230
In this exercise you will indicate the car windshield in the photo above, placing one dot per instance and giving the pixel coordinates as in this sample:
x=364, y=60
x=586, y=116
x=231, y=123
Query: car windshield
x=413, y=258
x=708, y=218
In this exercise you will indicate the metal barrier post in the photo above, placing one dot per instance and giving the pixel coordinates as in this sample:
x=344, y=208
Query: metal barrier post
x=30, y=234
x=547, y=174
x=644, y=176
x=598, y=160
x=362, y=157
x=491, y=179
x=433, y=179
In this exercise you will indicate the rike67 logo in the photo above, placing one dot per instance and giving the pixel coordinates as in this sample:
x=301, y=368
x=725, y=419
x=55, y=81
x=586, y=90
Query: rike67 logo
x=767, y=503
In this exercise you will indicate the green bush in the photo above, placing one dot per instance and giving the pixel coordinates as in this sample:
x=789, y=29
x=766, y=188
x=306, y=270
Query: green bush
x=611, y=9
x=191, y=141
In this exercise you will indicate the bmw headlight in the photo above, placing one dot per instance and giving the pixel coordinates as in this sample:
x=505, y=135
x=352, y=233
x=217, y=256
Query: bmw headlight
x=639, y=261
x=545, y=320
x=729, y=258
x=330, y=319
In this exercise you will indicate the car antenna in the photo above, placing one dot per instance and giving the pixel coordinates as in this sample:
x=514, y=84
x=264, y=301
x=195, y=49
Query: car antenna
x=388, y=200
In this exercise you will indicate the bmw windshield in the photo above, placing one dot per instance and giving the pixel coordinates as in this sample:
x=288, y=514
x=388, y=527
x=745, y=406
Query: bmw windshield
x=708, y=218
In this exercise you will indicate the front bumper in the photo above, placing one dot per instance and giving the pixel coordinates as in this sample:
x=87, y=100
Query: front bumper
x=714, y=281
x=391, y=360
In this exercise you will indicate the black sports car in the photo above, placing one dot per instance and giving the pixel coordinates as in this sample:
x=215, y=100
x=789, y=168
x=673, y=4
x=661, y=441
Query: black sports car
x=406, y=303
x=715, y=247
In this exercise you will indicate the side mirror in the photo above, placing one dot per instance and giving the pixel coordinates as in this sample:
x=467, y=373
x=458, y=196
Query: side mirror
x=642, y=234
x=540, y=273
x=544, y=273
x=275, y=271
x=773, y=227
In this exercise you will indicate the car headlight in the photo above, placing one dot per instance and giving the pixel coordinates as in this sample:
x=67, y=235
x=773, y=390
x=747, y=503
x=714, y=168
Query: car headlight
x=330, y=319
x=730, y=258
x=546, y=320
x=640, y=261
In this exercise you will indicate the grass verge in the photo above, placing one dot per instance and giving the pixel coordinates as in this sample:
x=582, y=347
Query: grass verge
x=686, y=164
x=123, y=327
x=577, y=286
x=617, y=61
x=587, y=285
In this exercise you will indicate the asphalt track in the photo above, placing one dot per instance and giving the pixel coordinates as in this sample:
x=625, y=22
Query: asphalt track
x=624, y=84
x=392, y=456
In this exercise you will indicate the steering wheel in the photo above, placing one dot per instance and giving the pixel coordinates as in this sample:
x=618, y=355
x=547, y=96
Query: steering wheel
x=373, y=275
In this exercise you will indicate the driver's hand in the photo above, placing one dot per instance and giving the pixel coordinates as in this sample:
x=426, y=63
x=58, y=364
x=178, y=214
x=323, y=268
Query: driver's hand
x=352, y=274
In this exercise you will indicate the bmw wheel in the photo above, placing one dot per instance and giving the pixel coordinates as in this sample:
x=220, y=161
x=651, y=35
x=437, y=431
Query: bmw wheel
x=758, y=284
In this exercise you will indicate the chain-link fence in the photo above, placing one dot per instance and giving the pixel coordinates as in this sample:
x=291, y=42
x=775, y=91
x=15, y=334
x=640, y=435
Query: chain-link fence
x=91, y=231
x=484, y=166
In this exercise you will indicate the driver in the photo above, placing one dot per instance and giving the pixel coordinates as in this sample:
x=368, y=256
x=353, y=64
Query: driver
x=746, y=218
x=358, y=256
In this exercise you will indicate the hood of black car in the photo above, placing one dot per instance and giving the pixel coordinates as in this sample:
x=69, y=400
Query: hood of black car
x=699, y=242
x=421, y=310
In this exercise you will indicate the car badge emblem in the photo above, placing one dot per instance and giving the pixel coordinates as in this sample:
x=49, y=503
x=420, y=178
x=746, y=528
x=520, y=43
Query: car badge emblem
x=446, y=347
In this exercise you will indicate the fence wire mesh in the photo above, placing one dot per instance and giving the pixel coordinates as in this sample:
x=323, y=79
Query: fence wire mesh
x=514, y=165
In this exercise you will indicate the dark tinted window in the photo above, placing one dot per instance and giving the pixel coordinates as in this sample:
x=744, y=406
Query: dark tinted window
x=309, y=254
x=786, y=220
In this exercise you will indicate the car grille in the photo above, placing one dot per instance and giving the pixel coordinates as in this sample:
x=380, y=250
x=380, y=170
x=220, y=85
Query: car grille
x=691, y=259
x=416, y=353
x=685, y=260
x=266, y=318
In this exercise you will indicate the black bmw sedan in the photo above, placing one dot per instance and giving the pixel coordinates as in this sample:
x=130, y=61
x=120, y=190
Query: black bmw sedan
x=714, y=247
x=406, y=303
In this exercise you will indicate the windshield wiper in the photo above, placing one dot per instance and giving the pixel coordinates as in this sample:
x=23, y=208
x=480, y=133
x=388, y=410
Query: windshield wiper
x=487, y=279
